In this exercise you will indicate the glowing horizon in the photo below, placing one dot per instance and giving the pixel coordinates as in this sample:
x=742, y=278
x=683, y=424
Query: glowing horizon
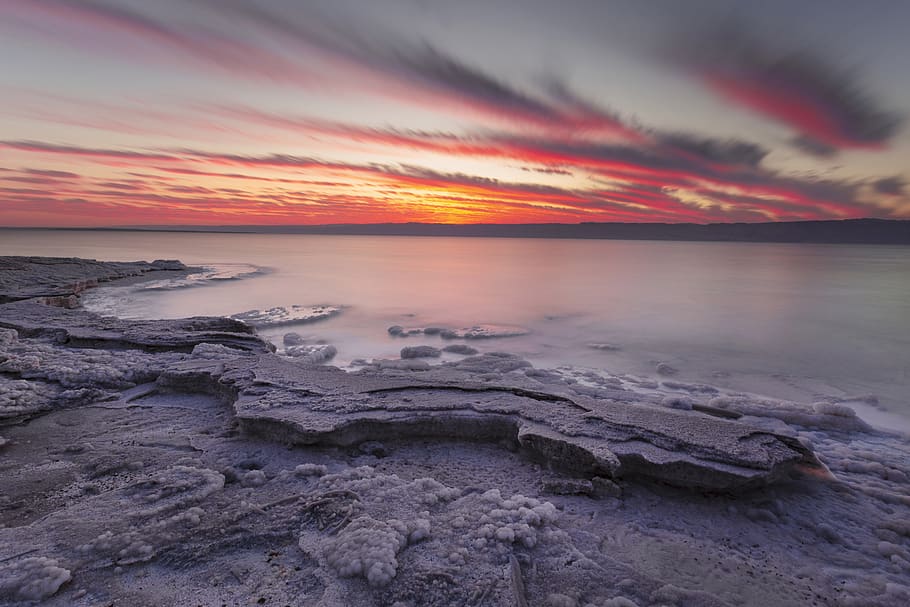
x=276, y=113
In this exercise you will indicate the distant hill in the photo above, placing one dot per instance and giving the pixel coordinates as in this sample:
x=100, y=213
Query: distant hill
x=847, y=231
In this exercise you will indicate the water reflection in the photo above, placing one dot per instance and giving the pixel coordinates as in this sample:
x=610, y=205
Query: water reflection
x=835, y=314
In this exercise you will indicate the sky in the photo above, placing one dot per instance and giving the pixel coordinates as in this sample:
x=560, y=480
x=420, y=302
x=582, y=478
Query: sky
x=274, y=112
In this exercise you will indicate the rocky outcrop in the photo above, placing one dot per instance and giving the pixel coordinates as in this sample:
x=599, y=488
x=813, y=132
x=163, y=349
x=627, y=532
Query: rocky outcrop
x=59, y=278
x=487, y=397
x=278, y=399
x=79, y=328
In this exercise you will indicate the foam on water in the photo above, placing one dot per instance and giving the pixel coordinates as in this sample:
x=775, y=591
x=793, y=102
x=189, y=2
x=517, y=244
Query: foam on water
x=133, y=300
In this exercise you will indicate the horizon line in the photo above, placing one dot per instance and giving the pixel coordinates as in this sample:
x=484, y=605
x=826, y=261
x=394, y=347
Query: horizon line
x=203, y=226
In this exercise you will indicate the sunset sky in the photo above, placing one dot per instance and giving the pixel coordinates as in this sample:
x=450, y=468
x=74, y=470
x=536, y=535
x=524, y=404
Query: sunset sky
x=225, y=112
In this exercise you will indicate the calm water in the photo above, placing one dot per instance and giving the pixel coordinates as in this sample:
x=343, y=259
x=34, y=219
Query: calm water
x=794, y=321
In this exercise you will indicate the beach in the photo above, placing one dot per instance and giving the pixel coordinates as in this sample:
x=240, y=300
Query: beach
x=185, y=462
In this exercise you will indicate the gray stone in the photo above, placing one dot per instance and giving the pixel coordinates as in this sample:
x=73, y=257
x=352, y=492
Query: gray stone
x=604, y=487
x=85, y=329
x=420, y=352
x=60, y=278
x=460, y=349
x=372, y=447
x=567, y=486
x=323, y=405
x=665, y=369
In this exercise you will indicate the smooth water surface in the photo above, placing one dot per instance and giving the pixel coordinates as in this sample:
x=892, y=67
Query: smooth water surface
x=793, y=321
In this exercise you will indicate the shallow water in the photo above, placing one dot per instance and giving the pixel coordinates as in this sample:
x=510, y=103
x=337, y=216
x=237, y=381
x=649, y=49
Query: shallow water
x=805, y=322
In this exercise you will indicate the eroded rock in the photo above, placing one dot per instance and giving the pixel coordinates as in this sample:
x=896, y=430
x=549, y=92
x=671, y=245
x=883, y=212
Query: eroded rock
x=62, y=277
x=585, y=435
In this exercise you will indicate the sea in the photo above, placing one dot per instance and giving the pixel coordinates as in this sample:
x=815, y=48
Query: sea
x=792, y=321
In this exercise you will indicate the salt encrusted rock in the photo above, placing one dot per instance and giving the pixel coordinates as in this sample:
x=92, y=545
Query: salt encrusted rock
x=310, y=470
x=61, y=277
x=513, y=520
x=405, y=364
x=174, y=488
x=374, y=448
x=674, y=401
x=605, y=347
x=686, y=387
x=84, y=329
x=49, y=376
x=31, y=579
x=311, y=354
x=491, y=362
x=369, y=548
x=420, y=352
x=393, y=514
x=604, y=487
x=830, y=416
x=556, y=599
x=581, y=434
x=7, y=337
x=567, y=486
x=280, y=315
x=253, y=478
x=21, y=398
x=215, y=351
x=293, y=339
x=486, y=331
x=460, y=349
x=666, y=369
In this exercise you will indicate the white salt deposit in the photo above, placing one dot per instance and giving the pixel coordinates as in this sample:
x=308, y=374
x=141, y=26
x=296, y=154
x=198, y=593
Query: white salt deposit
x=311, y=354
x=310, y=470
x=280, y=315
x=31, y=579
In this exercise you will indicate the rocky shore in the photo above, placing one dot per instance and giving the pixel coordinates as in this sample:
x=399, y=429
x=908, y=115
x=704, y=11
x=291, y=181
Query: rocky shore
x=185, y=462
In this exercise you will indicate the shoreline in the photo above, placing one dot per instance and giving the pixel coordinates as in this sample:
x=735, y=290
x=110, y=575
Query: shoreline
x=389, y=484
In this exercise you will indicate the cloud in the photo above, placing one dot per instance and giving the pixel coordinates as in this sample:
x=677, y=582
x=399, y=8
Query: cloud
x=826, y=105
x=418, y=71
x=890, y=186
x=654, y=183
x=72, y=150
x=52, y=173
x=731, y=152
x=546, y=170
x=813, y=147
x=128, y=31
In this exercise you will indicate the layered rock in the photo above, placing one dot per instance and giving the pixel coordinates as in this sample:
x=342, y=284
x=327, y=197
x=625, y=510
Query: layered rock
x=613, y=434
x=60, y=278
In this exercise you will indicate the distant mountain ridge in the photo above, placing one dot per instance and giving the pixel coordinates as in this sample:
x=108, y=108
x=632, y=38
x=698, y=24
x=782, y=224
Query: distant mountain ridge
x=847, y=231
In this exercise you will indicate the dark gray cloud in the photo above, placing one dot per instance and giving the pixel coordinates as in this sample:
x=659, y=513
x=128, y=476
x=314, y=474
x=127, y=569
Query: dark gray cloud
x=725, y=151
x=826, y=104
x=813, y=147
x=890, y=186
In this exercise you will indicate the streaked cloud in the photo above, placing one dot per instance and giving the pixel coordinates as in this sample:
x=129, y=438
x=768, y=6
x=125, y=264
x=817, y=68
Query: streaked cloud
x=288, y=112
x=827, y=105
